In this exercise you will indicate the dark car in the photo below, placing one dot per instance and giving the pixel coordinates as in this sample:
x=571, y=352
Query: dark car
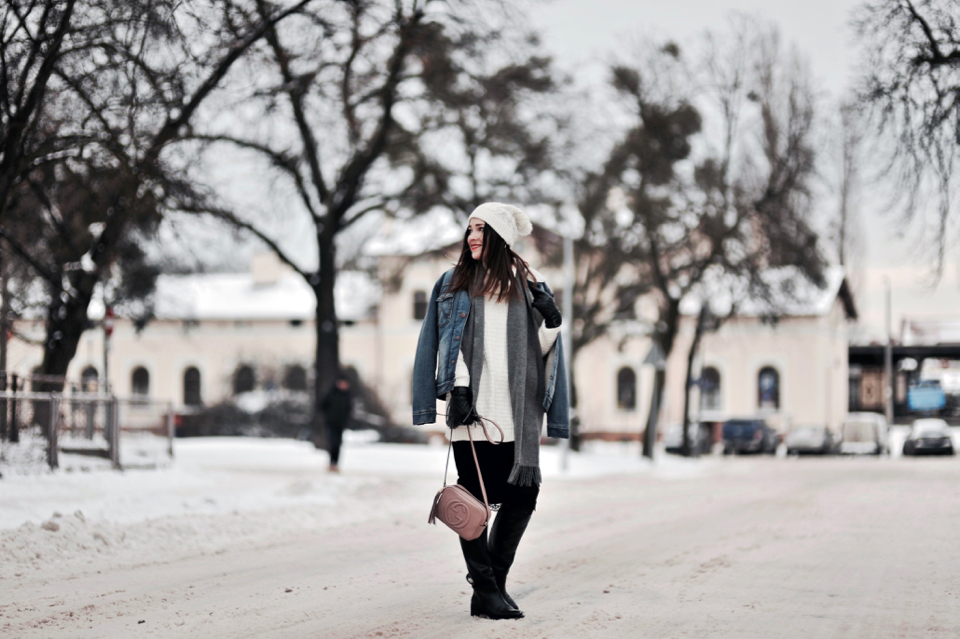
x=929, y=437
x=748, y=436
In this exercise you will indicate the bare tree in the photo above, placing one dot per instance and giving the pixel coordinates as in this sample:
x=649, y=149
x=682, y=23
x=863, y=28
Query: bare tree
x=910, y=80
x=760, y=194
x=33, y=35
x=669, y=222
x=383, y=107
x=846, y=170
x=98, y=160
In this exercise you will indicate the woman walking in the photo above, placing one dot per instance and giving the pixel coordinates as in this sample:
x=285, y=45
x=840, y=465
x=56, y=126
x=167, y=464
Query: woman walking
x=490, y=347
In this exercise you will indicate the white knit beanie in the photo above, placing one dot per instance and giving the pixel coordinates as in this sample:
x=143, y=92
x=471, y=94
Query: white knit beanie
x=508, y=221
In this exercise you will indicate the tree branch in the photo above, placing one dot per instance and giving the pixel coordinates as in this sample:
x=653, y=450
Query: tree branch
x=171, y=127
x=295, y=92
x=277, y=158
x=29, y=259
x=233, y=220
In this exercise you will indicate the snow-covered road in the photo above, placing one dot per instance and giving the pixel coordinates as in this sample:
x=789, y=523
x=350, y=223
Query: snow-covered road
x=251, y=538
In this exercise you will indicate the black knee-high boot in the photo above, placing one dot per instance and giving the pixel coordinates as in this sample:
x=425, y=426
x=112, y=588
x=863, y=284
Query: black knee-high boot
x=505, y=534
x=487, y=600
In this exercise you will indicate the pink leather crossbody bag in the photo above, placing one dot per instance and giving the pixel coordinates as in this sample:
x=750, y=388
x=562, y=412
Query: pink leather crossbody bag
x=455, y=506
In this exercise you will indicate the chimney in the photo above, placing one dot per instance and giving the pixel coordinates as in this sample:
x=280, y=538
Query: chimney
x=266, y=269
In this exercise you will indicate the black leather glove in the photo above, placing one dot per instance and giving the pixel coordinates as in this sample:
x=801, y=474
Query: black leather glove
x=460, y=407
x=543, y=302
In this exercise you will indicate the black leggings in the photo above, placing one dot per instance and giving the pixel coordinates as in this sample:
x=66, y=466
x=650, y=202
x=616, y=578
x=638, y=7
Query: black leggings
x=496, y=462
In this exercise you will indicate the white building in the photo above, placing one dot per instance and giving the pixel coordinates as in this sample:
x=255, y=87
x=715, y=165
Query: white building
x=219, y=334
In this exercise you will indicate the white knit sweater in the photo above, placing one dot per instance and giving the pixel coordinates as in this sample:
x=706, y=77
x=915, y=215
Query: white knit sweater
x=493, y=395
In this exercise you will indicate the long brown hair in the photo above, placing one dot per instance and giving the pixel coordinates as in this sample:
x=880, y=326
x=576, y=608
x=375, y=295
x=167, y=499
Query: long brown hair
x=493, y=273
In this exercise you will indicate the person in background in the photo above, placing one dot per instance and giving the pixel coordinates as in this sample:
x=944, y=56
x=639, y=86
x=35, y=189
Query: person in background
x=337, y=407
x=490, y=347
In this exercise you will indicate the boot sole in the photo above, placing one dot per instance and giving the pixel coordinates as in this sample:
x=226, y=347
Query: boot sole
x=486, y=615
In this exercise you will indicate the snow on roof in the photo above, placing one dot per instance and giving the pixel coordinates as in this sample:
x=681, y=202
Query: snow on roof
x=791, y=295
x=236, y=296
x=916, y=331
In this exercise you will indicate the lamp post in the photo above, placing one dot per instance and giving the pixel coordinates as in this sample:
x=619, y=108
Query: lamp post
x=888, y=360
x=108, y=320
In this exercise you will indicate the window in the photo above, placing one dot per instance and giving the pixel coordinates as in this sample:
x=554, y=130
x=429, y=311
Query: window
x=89, y=379
x=419, y=305
x=709, y=389
x=191, y=387
x=626, y=305
x=768, y=388
x=295, y=378
x=853, y=389
x=140, y=382
x=626, y=389
x=244, y=379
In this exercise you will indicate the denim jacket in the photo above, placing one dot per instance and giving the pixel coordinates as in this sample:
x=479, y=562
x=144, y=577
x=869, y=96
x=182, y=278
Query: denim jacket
x=438, y=349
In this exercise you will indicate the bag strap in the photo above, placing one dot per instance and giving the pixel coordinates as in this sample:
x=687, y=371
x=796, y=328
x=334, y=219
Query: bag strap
x=483, y=488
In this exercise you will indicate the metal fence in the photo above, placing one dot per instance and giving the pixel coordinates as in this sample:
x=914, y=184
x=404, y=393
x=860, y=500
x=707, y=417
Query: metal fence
x=40, y=428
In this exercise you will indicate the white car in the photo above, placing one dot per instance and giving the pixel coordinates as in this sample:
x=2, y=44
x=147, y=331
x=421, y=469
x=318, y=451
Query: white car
x=864, y=434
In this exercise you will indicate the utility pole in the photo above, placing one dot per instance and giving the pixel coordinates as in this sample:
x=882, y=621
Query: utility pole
x=888, y=359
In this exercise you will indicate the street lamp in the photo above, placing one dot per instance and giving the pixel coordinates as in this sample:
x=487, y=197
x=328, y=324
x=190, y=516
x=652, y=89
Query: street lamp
x=108, y=319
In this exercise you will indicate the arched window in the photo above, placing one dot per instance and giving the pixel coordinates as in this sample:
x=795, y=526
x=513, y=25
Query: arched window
x=768, y=388
x=89, y=379
x=244, y=379
x=709, y=389
x=626, y=389
x=140, y=382
x=191, y=387
x=295, y=378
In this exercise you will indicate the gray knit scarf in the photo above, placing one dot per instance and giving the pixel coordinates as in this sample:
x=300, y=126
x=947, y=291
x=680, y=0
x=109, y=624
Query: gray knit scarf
x=526, y=372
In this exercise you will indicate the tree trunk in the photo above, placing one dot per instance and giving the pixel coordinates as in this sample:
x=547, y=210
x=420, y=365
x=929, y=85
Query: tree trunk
x=327, y=356
x=670, y=324
x=687, y=450
x=650, y=432
x=66, y=322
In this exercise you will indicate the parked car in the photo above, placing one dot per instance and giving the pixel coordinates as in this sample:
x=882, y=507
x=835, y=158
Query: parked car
x=748, y=436
x=929, y=436
x=810, y=439
x=864, y=434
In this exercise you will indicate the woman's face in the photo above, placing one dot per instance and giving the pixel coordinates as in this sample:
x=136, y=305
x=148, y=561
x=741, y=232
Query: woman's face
x=475, y=237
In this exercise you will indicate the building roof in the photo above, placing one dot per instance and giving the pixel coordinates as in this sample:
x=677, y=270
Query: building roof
x=791, y=295
x=237, y=296
x=928, y=331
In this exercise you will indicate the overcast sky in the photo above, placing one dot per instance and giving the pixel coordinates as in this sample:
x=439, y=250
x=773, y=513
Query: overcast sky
x=580, y=30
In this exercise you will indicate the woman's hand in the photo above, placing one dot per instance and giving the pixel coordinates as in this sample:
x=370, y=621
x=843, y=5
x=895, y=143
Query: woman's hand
x=460, y=407
x=544, y=302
